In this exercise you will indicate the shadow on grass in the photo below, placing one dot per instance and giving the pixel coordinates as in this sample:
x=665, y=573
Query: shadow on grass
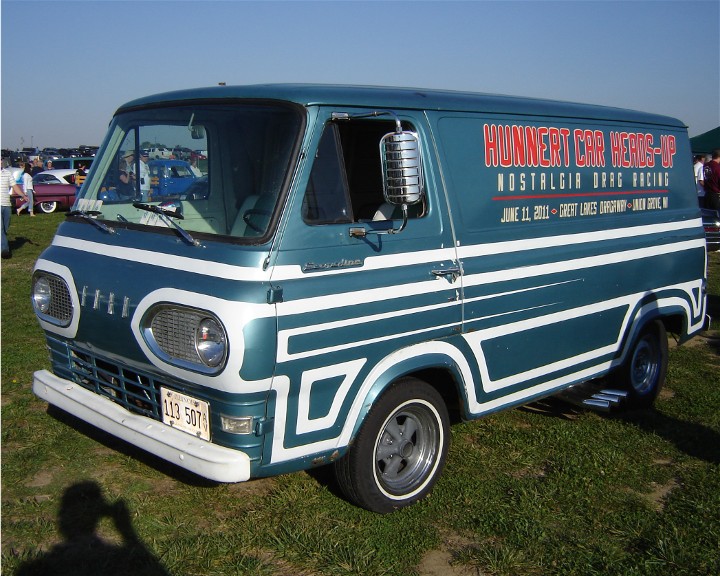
x=713, y=305
x=693, y=439
x=83, y=552
x=122, y=447
x=18, y=242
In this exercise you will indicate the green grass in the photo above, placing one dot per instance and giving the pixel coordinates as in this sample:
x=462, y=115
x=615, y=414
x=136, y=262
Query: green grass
x=547, y=490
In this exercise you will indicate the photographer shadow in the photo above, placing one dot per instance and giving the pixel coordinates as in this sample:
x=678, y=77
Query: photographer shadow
x=84, y=552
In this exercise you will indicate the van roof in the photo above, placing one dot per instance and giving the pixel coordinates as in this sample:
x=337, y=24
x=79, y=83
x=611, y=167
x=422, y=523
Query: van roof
x=405, y=98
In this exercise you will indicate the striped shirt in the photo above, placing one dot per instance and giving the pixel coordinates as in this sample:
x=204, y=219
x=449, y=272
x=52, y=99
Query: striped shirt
x=6, y=188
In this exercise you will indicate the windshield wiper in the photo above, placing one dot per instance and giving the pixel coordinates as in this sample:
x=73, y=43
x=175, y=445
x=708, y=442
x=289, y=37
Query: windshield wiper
x=165, y=215
x=90, y=215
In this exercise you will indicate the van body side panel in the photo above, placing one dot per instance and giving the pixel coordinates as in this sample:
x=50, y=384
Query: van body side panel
x=570, y=240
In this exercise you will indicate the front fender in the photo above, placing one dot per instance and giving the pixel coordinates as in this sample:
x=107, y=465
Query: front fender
x=427, y=355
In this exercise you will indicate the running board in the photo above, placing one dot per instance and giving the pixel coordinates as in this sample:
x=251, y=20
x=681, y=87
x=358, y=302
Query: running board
x=604, y=400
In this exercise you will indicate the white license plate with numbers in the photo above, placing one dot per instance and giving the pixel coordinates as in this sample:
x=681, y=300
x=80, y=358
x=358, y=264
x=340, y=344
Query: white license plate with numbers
x=185, y=413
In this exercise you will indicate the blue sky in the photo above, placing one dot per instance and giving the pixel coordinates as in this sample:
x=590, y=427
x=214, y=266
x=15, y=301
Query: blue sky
x=68, y=65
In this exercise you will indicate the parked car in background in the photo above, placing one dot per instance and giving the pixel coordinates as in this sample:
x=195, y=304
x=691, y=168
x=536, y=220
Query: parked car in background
x=65, y=176
x=182, y=153
x=50, y=154
x=88, y=150
x=72, y=163
x=53, y=189
x=160, y=152
x=170, y=177
x=198, y=190
x=30, y=153
x=711, y=223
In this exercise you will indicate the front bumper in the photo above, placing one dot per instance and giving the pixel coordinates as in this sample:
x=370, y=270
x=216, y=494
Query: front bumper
x=203, y=458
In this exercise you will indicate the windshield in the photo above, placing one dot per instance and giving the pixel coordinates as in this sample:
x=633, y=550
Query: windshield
x=221, y=167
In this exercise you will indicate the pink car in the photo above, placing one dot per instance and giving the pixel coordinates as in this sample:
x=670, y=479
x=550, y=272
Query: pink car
x=53, y=190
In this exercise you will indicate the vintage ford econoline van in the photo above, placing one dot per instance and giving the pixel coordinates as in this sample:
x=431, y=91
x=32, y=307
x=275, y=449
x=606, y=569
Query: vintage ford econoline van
x=359, y=265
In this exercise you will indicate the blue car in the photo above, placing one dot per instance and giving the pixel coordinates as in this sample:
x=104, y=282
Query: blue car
x=170, y=177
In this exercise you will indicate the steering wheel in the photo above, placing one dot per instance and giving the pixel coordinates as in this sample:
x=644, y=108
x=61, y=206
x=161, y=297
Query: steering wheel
x=255, y=212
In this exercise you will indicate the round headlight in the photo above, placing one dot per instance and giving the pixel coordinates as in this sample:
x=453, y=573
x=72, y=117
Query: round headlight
x=42, y=295
x=210, y=342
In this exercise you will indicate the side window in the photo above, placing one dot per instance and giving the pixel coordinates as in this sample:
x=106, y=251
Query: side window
x=346, y=179
x=326, y=196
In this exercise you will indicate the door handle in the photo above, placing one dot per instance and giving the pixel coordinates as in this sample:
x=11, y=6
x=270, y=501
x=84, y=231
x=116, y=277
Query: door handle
x=453, y=272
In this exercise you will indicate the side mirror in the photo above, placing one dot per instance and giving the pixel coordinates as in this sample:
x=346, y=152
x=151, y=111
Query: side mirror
x=402, y=168
x=196, y=132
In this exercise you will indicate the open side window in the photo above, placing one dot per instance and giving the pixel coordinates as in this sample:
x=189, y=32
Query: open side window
x=345, y=183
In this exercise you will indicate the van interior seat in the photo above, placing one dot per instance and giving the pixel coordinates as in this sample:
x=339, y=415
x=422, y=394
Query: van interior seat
x=384, y=212
x=240, y=226
x=387, y=211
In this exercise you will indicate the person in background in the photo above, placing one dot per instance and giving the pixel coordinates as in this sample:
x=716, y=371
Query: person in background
x=194, y=167
x=124, y=187
x=80, y=175
x=698, y=165
x=144, y=176
x=49, y=165
x=37, y=166
x=28, y=189
x=711, y=181
x=7, y=187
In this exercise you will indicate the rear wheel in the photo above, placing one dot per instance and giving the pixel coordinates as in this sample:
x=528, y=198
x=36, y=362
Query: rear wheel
x=48, y=207
x=400, y=449
x=644, y=370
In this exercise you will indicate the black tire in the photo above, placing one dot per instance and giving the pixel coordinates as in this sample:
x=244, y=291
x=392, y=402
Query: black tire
x=47, y=207
x=400, y=450
x=644, y=370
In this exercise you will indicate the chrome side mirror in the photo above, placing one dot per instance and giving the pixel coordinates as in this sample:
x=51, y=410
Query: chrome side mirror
x=402, y=168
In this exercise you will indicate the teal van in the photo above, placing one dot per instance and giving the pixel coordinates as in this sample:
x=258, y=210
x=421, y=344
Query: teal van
x=358, y=267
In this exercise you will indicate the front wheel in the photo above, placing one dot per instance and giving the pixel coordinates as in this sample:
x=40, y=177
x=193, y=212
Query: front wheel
x=400, y=449
x=47, y=207
x=644, y=370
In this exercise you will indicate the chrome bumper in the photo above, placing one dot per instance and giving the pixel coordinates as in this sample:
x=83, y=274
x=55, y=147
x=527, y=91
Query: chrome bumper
x=203, y=458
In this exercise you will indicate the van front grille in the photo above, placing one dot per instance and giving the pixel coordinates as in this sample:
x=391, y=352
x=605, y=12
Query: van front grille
x=134, y=391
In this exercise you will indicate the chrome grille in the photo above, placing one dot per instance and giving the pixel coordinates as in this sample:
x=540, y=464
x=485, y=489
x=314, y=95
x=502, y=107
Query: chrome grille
x=61, y=307
x=173, y=330
x=133, y=390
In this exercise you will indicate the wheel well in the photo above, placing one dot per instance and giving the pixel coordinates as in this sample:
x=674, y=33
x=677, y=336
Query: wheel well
x=446, y=385
x=675, y=324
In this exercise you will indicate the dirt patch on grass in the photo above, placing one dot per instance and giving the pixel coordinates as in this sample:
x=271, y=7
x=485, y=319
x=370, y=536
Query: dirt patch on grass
x=42, y=478
x=438, y=563
x=442, y=561
x=255, y=487
x=657, y=497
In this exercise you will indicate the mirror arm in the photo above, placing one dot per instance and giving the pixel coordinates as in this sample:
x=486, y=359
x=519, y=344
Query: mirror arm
x=361, y=232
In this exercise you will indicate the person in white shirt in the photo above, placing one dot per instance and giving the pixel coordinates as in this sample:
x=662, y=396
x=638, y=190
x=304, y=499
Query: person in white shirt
x=7, y=187
x=27, y=182
x=699, y=179
x=194, y=168
x=144, y=177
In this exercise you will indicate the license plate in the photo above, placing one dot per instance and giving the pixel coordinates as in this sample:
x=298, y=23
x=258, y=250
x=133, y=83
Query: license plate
x=186, y=413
